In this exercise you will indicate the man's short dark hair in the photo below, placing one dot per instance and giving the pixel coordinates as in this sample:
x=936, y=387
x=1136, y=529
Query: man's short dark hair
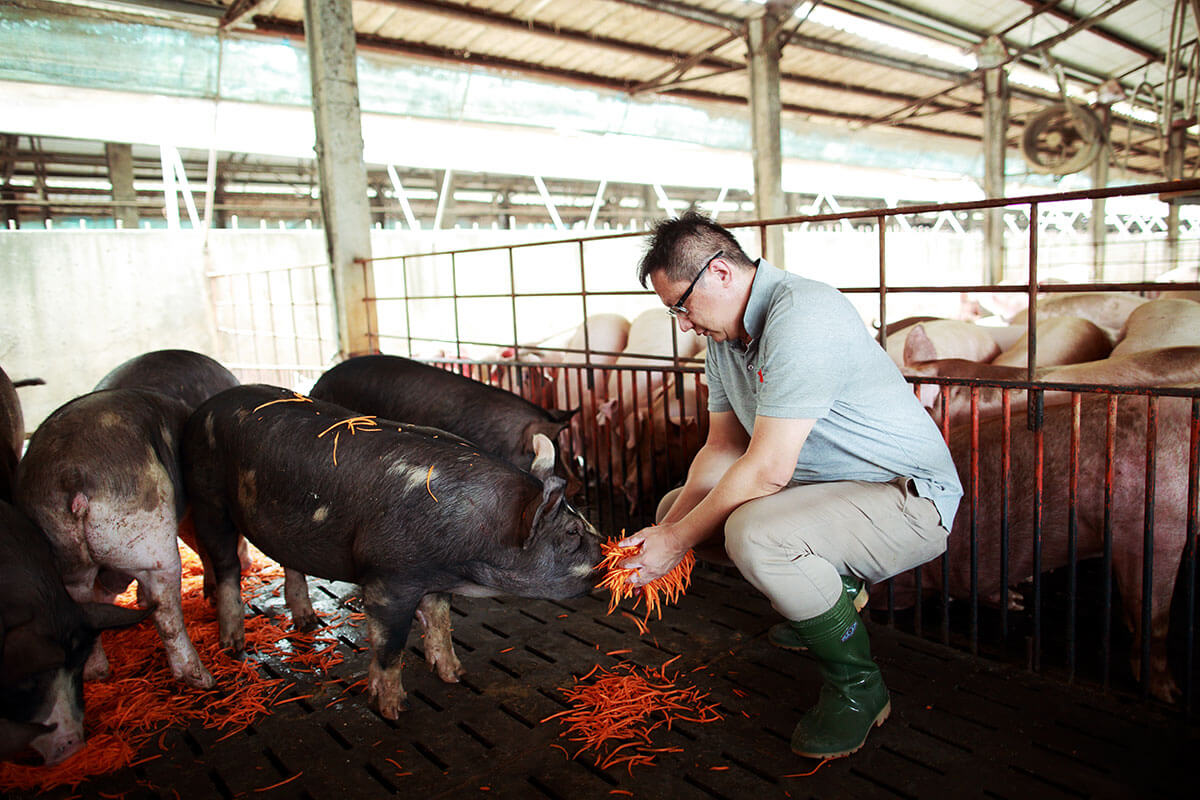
x=681, y=245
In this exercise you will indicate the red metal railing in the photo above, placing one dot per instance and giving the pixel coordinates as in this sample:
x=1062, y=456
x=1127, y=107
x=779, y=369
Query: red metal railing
x=621, y=488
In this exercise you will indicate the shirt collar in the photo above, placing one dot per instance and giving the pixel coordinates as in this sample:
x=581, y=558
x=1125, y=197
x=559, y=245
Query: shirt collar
x=766, y=278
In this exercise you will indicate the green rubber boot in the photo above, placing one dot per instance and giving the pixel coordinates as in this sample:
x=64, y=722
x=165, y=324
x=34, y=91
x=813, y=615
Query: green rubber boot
x=783, y=635
x=853, y=698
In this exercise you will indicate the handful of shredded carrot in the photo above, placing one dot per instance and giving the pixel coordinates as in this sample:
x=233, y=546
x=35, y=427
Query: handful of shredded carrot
x=617, y=711
x=616, y=580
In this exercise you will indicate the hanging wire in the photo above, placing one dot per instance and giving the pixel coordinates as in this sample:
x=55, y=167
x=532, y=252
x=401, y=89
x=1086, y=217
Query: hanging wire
x=1128, y=149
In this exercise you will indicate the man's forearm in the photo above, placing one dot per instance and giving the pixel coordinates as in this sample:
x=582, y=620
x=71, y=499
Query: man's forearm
x=704, y=473
x=741, y=482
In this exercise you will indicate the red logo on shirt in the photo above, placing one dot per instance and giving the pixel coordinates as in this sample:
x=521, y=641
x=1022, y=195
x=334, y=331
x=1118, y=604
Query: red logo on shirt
x=760, y=377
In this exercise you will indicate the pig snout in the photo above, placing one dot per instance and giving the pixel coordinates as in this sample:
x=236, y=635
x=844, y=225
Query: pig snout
x=576, y=558
x=65, y=719
x=56, y=747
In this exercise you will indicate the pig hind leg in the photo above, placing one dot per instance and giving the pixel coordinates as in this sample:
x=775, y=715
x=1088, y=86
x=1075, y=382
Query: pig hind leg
x=216, y=539
x=390, y=609
x=434, y=616
x=162, y=586
x=295, y=593
x=1128, y=568
x=146, y=549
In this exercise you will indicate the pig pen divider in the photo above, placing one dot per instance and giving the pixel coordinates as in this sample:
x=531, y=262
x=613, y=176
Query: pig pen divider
x=1168, y=453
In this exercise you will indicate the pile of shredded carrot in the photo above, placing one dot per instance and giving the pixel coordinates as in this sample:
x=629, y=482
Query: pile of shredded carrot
x=142, y=702
x=616, y=580
x=615, y=712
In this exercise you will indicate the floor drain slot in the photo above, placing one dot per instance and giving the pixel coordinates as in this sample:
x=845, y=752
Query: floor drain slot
x=379, y=778
x=430, y=756
x=476, y=735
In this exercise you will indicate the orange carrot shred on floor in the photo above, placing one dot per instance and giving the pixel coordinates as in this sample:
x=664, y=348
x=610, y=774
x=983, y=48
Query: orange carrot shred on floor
x=810, y=772
x=614, y=713
x=616, y=579
x=281, y=783
x=141, y=703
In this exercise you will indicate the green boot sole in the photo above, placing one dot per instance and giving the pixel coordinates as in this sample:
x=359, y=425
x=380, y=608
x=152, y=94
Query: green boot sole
x=784, y=636
x=809, y=744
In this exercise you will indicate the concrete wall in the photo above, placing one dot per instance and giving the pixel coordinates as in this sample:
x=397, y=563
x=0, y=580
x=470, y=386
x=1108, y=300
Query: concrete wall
x=75, y=304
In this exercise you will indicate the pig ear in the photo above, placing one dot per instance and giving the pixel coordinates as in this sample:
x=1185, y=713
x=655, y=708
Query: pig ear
x=102, y=616
x=633, y=424
x=546, y=428
x=605, y=411
x=918, y=346
x=543, y=457
x=552, y=495
x=929, y=394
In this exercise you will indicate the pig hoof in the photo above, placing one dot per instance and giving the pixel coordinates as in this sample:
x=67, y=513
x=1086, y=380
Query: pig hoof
x=233, y=647
x=307, y=622
x=391, y=708
x=448, y=671
x=198, y=678
x=96, y=672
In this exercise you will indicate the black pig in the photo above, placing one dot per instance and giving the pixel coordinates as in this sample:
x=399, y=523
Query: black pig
x=192, y=378
x=45, y=638
x=101, y=478
x=406, y=512
x=499, y=422
x=189, y=376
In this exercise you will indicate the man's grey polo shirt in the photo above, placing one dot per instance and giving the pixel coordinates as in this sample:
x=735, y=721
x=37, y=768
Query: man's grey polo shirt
x=811, y=357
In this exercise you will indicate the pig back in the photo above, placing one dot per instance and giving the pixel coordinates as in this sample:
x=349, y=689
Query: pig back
x=183, y=374
x=400, y=389
x=1162, y=323
x=117, y=443
x=1107, y=310
x=328, y=492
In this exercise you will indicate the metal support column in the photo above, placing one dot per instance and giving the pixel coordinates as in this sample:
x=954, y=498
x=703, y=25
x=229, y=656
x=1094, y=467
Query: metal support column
x=9, y=216
x=995, y=125
x=763, y=44
x=329, y=30
x=120, y=175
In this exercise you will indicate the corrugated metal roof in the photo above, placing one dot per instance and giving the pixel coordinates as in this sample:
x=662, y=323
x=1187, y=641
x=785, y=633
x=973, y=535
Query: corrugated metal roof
x=883, y=65
x=893, y=63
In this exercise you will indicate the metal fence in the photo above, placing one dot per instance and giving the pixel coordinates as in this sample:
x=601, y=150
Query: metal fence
x=1079, y=517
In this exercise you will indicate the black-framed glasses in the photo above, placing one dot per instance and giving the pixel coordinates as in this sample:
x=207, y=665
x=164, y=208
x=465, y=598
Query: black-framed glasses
x=678, y=308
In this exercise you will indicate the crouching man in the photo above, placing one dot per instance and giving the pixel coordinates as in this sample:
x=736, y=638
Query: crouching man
x=821, y=471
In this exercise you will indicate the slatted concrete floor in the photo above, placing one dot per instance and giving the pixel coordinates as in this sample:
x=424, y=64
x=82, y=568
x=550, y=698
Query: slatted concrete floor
x=960, y=727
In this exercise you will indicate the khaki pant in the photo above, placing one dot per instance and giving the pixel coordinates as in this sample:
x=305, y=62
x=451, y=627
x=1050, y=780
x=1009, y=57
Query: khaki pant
x=794, y=545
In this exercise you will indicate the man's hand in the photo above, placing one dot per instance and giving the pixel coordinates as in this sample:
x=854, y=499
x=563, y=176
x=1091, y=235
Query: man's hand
x=661, y=552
